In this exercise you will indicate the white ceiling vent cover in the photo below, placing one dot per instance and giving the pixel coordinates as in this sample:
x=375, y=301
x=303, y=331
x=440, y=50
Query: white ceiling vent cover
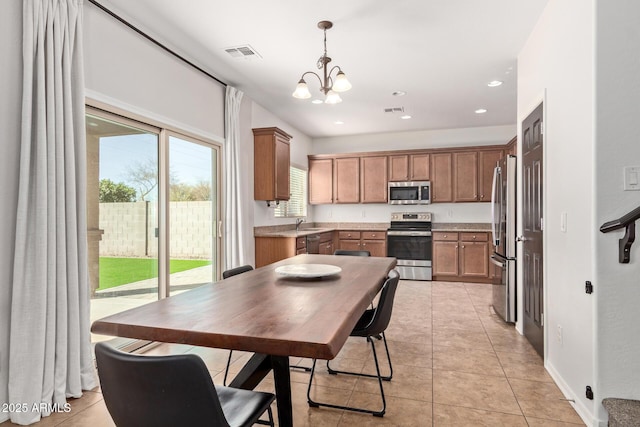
x=244, y=52
x=394, y=110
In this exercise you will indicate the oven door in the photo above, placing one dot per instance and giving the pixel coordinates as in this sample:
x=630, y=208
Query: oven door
x=412, y=249
x=409, y=245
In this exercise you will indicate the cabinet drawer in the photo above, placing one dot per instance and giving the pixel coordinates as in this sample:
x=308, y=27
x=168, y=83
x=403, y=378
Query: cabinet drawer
x=445, y=236
x=373, y=235
x=474, y=237
x=348, y=235
x=301, y=242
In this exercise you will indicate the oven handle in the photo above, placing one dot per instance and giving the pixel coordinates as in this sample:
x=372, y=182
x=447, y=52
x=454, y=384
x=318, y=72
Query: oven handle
x=408, y=233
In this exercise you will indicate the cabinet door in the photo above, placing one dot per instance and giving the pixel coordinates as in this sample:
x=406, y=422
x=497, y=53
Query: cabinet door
x=320, y=181
x=350, y=245
x=346, y=180
x=373, y=178
x=326, y=248
x=399, y=167
x=419, y=167
x=282, y=168
x=445, y=258
x=375, y=247
x=465, y=176
x=487, y=161
x=474, y=259
x=441, y=174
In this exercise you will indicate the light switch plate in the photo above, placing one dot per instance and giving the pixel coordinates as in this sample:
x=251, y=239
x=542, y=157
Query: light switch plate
x=632, y=178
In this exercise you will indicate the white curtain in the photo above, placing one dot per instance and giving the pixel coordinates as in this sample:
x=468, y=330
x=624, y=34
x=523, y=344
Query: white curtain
x=234, y=227
x=50, y=349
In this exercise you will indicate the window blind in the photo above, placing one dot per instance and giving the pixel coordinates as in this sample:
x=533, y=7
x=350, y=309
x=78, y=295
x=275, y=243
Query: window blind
x=297, y=204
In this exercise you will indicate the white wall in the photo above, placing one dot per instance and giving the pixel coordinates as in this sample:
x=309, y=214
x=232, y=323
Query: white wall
x=378, y=212
x=558, y=60
x=124, y=69
x=617, y=287
x=300, y=147
x=489, y=135
x=10, y=113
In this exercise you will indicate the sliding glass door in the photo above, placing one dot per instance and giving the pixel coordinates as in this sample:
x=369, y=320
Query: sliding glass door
x=152, y=213
x=193, y=217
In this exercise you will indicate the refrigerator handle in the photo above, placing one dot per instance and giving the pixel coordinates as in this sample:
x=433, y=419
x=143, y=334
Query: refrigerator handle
x=494, y=202
x=497, y=262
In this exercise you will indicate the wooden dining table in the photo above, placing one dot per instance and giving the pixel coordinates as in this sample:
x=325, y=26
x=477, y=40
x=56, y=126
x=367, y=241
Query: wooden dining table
x=265, y=313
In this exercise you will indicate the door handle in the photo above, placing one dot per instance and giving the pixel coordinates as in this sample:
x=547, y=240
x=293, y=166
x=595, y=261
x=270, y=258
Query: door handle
x=521, y=239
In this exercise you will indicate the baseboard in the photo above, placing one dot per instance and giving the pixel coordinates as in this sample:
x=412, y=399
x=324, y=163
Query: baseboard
x=583, y=412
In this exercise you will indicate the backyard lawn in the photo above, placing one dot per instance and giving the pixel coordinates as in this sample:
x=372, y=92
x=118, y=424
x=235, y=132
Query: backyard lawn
x=120, y=271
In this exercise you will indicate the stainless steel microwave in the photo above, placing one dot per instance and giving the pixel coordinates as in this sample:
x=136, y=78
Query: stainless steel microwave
x=410, y=193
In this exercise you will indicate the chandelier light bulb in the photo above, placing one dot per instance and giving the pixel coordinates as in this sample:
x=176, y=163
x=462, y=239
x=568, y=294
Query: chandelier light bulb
x=302, y=90
x=341, y=84
x=332, y=98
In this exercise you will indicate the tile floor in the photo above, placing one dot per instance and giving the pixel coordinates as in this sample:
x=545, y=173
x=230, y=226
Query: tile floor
x=455, y=364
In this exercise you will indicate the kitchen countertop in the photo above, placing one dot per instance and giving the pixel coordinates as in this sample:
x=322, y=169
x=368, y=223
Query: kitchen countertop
x=293, y=233
x=288, y=230
x=461, y=226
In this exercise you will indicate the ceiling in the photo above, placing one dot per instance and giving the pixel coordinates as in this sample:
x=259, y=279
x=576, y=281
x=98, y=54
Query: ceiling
x=441, y=53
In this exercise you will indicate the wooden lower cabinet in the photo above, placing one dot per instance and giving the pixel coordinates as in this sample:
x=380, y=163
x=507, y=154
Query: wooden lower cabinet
x=274, y=249
x=326, y=244
x=461, y=256
x=370, y=240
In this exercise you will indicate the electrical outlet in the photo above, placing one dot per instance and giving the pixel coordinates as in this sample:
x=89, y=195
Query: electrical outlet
x=559, y=334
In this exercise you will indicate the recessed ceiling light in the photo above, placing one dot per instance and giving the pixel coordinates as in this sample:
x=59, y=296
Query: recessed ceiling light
x=93, y=124
x=338, y=122
x=317, y=101
x=405, y=117
x=399, y=93
x=481, y=111
x=494, y=83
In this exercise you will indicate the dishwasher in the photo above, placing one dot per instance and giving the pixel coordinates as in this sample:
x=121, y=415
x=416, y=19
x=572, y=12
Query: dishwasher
x=313, y=244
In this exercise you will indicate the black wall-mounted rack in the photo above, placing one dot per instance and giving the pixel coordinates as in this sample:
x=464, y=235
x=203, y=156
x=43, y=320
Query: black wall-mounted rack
x=629, y=222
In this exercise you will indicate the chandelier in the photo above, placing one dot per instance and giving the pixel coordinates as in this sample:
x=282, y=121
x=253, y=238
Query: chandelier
x=329, y=85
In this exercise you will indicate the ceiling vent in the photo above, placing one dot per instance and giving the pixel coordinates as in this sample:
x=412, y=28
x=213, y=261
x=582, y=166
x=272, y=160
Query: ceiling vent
x=394, y=110
x=244, y=52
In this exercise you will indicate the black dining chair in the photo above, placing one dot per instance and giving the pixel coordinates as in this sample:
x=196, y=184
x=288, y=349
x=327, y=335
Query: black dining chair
x=235, y=271
x=225, y=275
x=174, y=390
x=351, y=253
x=373, y=322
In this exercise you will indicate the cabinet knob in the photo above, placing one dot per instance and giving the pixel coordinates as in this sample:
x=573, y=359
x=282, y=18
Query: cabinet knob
x=462, y=246
x=373, y=235
x=474, y=237
x=444, y=235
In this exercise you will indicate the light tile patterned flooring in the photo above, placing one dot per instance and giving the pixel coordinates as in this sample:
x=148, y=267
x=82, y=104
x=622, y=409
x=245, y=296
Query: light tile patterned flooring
x=455, y=364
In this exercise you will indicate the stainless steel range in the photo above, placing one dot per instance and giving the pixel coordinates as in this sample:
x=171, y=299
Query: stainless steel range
x=409, y=241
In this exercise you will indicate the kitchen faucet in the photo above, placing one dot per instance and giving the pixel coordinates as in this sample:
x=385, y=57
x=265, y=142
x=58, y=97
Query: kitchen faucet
x=298, y=222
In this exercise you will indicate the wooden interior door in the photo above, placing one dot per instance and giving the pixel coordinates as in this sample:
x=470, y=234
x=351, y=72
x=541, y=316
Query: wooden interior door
x=533, y=225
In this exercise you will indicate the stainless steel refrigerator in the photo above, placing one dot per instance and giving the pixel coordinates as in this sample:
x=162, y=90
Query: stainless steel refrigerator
x=503, y=228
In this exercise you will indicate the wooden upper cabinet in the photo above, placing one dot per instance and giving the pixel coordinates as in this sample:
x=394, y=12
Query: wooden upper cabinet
x=271, y=164
x=320, y=181
x=373, y=179
x=441, y=177
x=512, y=147
x=346, y=180
x=409, y=167
x=399, y=167
x=487, y=161
x=465, y=176
x=419, y=167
